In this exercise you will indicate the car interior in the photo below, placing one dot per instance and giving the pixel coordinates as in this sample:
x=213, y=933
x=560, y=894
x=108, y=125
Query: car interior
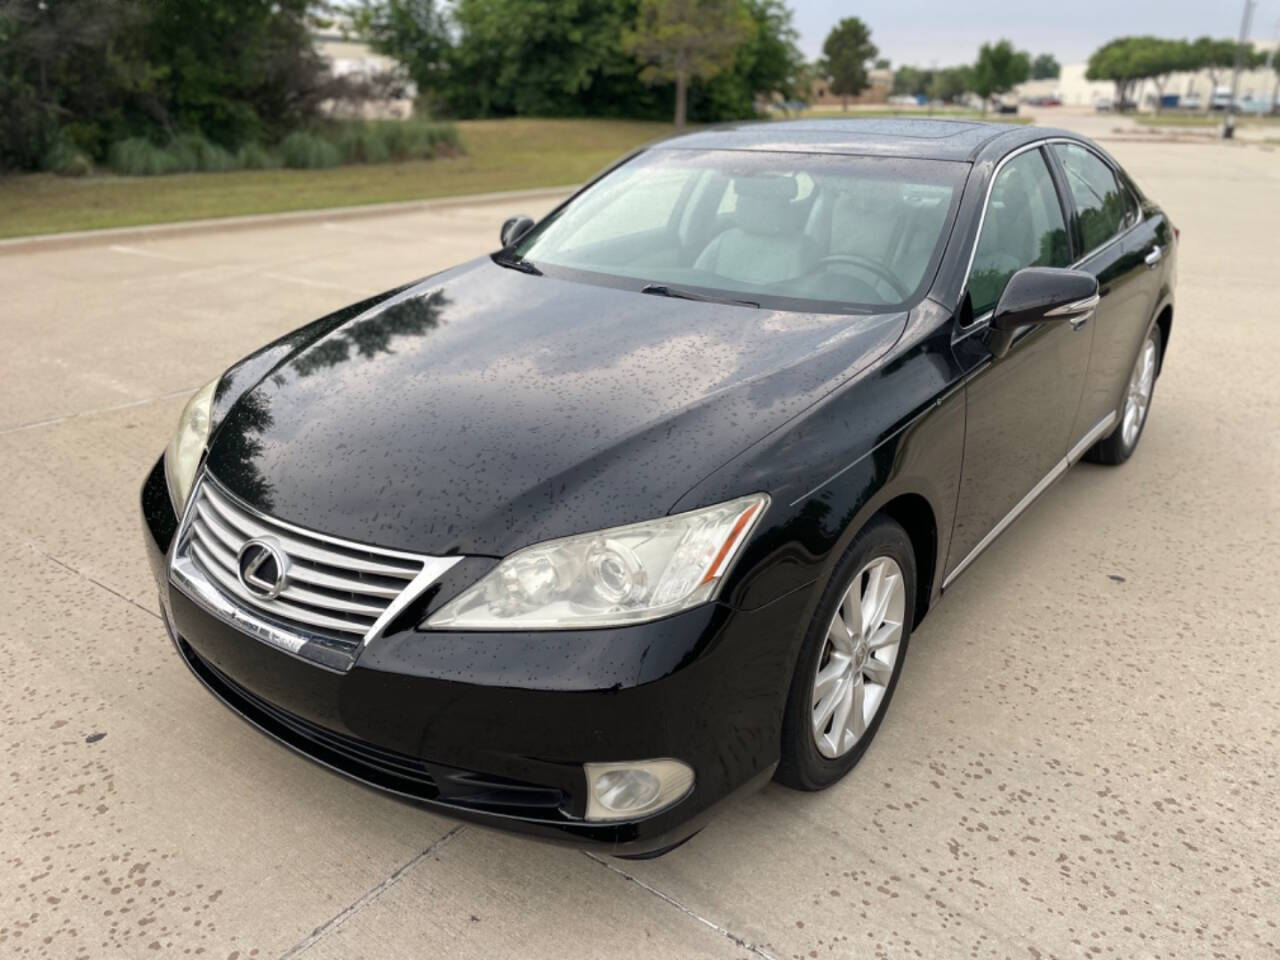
x=824, y=236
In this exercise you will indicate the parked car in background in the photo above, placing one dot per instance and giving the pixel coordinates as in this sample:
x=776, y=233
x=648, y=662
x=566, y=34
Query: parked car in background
x=583, y=537
x=1253, y=107
x=1191, y=101
x=1221, y=99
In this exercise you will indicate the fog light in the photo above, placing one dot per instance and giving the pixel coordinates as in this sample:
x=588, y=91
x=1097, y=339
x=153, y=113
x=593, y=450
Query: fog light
x=626, y=791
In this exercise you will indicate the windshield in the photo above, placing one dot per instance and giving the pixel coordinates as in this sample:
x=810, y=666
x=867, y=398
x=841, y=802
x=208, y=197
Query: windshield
x=812, y=232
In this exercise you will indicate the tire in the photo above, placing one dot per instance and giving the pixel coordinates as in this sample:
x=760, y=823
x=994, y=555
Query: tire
x=1119, y=446
x=814, y=758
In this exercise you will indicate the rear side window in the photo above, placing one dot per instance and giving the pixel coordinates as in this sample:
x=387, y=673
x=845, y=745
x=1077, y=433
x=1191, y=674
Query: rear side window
x=1023, y=227
x=1104, y=205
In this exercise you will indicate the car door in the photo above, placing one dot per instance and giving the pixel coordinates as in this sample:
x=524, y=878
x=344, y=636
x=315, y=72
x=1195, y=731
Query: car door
x=1123, y=250
x=1020, y=407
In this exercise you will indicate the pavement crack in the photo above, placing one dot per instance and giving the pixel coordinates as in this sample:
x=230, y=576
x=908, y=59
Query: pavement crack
x=723, y=931
x=50, y=421
x=98, y=583
x=370, y=896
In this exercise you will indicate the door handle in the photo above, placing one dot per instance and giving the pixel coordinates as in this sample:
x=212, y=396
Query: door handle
x=1152, y=258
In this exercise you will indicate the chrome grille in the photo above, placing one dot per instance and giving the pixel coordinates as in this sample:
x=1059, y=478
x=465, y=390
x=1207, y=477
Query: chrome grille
x=334, y=590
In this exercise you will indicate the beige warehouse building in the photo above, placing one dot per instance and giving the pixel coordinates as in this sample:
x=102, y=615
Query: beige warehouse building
x=1074, y=90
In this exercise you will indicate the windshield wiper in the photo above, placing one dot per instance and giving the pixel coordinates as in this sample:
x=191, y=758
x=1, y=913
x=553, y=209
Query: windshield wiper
x=664, y=290
x=514, y=261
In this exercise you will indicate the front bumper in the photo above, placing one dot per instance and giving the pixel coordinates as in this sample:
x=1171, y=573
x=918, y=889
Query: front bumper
x=495, y=727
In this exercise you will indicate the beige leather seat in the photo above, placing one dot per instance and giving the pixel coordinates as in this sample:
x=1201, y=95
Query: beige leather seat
x=765, y=244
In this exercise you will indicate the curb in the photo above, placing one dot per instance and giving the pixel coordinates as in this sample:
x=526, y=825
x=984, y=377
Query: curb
x=81, y=238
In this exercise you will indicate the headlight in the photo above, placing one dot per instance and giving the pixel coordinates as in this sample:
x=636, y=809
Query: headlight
x=624, y=575
x=182, y=456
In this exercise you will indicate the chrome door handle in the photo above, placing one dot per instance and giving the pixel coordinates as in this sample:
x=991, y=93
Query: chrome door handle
x=1152, y=258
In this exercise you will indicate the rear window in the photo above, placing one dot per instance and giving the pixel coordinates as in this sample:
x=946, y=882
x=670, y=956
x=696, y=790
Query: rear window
x=1104, y=205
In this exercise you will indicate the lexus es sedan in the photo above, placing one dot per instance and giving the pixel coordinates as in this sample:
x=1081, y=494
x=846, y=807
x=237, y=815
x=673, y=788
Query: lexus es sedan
x=585, y=536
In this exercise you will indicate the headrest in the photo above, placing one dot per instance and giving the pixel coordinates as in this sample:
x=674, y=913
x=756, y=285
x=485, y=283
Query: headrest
x=764, y=203
x=766, y=186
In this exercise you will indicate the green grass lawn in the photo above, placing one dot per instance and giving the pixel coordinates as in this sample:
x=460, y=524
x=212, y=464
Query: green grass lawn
x=500, y=155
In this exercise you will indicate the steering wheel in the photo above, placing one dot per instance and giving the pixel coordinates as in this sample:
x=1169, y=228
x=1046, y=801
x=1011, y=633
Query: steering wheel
x=867, y=264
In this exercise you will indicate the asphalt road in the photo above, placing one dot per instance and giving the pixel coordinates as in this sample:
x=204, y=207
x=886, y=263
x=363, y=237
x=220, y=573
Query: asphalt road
x=1081, y=759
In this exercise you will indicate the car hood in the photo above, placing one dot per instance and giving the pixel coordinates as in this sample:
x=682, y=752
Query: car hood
x=484, y=409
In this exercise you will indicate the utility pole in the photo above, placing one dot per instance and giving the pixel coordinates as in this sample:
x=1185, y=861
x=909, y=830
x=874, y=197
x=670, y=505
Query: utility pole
x=1229, y=124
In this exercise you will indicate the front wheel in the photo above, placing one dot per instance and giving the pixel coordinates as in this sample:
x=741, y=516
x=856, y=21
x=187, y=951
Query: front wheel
x=1119, y=447
x=851, y=659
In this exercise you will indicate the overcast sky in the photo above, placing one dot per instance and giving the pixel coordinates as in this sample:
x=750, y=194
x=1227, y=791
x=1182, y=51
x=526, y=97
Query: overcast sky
x=920, y=32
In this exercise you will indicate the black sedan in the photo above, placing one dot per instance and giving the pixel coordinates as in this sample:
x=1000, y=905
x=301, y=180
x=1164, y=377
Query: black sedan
x=638, y=512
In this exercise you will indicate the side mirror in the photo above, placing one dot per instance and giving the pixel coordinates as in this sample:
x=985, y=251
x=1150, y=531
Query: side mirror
x=514, y=229
x=1042, y=295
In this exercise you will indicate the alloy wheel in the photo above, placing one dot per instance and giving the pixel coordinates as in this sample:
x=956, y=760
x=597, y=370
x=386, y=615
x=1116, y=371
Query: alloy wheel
x=858, y=657
x=1138, y=398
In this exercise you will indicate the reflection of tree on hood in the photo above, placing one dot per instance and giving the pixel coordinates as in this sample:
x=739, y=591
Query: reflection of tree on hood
x=239, y=447
x=371, y=336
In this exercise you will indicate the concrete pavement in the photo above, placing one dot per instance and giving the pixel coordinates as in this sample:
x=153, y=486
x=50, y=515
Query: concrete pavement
x=1081, y=759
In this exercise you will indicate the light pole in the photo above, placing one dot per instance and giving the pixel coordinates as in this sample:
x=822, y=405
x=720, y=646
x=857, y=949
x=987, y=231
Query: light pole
x=1229, y=124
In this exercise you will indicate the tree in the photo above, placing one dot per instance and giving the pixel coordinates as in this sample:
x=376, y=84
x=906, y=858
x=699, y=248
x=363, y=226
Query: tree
x=883, y=63
x=768, y=63
x=999, y=69
x=912, y=81
x=847, y=49
x=684, y=40
x=1274, y=57
x=413, y=32
x=951, y=84
x=1215, y=57
x=1045, y=67
x=74, y=71
x=543, y=57
x=1154, y=59
x=1115, y=61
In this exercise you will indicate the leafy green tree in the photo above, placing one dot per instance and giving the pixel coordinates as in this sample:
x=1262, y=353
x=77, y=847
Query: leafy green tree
x=1274, y=59
x=236, y=70
x=1154, y=59
x=847, y=49
x=1215, y=57
x=912, y=80
x=1045, y=67
x=999, y=69
x=413, y=32
x=684, y=40
x=540, y=57
x=951, y=84
x=1115, y=61
x=768, y=63
x=72, y=73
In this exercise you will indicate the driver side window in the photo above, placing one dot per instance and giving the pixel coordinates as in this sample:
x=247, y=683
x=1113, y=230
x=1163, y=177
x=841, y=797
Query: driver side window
x=1023, y=227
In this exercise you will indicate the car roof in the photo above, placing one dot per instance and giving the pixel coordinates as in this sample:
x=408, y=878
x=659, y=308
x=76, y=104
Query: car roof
x=924, y=137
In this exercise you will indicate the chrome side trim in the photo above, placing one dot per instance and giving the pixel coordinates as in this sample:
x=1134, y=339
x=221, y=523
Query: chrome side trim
x=1088, y=304
x=1058, y=470
x=1090, y=438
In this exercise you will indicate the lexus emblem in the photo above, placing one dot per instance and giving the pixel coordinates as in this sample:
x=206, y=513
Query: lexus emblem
x=263, y=568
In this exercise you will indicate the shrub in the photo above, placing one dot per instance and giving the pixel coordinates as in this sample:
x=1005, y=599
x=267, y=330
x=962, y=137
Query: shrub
x=306, y=151
x=139, y=157
x=67, y=160
x=194, y=152
x=254, y=156
x=362, y=143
